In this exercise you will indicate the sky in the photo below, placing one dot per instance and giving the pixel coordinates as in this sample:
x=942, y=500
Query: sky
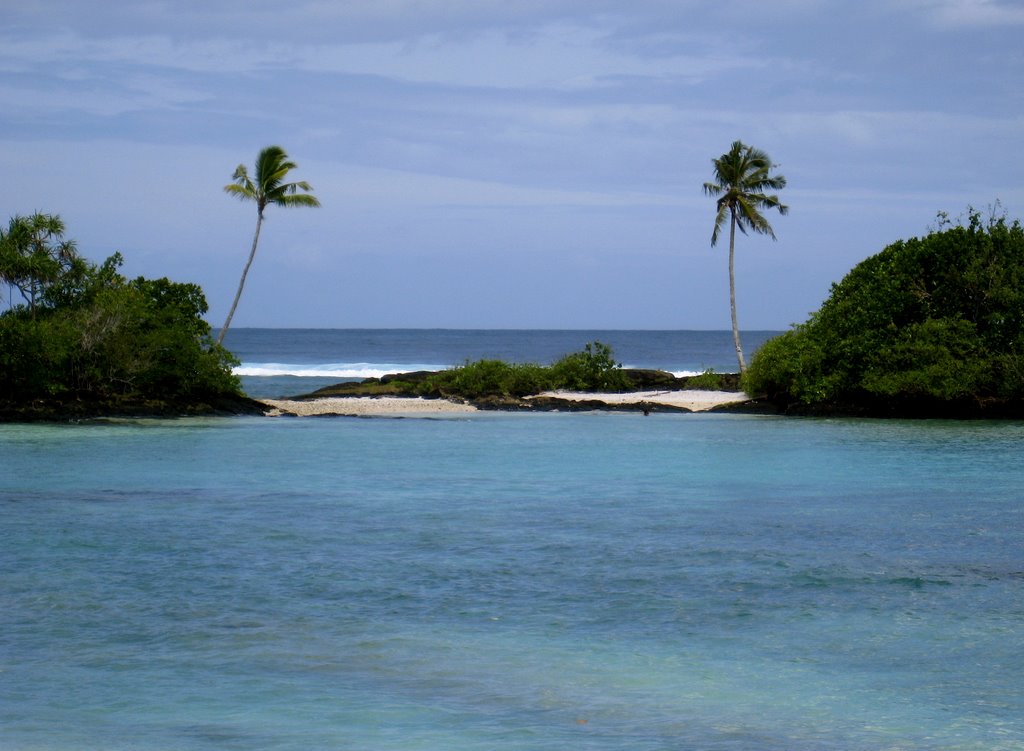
x=507, y=163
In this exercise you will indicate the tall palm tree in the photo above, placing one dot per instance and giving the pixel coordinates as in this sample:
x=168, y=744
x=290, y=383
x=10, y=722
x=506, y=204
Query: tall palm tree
x=268, y=187
x=742, y=175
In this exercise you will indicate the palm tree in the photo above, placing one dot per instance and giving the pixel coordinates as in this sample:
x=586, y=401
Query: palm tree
x=742, y=174
x=272, y=167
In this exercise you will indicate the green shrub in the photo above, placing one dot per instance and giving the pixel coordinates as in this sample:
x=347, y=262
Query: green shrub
x=787, y=368
x=709, y=380
x=932, y=320
x=936, y=358
x=491, y=378
x=593, y=369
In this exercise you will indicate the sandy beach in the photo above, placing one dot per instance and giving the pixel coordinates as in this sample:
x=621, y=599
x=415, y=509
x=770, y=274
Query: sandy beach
x=363, y=406
x=697, y=401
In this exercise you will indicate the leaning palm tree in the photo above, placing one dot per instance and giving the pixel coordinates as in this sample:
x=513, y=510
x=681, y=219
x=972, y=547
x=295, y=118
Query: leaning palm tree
x=268, y=187
x=742, y=174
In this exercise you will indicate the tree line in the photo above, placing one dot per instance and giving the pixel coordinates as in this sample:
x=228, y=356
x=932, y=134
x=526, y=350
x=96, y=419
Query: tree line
x=930, y=323
x=73, y=328
x=79, y=337
x=82, y=335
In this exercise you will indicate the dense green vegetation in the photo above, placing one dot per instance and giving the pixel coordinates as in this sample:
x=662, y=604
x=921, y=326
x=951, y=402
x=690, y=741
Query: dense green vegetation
x=592, y=369
x=80, y=338
x=929, y=326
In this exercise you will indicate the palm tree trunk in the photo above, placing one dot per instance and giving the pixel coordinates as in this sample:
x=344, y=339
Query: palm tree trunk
x=732, y=296
x=241, y=284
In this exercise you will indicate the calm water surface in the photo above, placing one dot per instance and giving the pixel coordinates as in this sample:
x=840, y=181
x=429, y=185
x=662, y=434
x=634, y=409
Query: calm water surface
x=498, y=581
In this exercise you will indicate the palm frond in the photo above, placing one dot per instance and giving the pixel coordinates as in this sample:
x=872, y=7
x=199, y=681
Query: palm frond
x=299, y=199
x=720, y=217
x=268, y=185
x=240, y=192
x=741, y=177
x=242, y=187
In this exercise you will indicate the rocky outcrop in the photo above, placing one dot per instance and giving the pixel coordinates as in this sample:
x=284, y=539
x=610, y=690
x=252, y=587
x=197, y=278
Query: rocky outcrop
x=414, y=383
x=556, y=404
x=75, y=409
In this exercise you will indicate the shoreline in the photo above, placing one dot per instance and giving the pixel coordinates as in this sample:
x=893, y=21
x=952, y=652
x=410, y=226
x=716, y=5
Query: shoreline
x=692, y=400
x=363, y=406
x=366, y=406
x=384, y=405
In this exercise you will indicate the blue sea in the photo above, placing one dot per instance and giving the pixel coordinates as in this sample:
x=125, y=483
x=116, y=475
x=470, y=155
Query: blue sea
x=500, y=581
x=284, y=362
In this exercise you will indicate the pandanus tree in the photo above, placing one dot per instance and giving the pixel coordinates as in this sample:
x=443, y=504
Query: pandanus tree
x=34, y=254
x=742, y=177
x=266, y=187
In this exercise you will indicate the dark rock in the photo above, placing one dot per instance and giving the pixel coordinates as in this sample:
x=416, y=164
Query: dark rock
x=660, y=380
x=652, y=380
x=557, y=404
x=910, y=409
x=84, y=407
x=748, y=407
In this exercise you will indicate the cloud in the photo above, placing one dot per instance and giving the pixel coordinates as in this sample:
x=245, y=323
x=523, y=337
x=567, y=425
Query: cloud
x=956, y=14
x=61, y=52
x=435, y=130
x=97, y=96
x=357, y=185
x=556, y=57
x=553, y=57
x=899, y=129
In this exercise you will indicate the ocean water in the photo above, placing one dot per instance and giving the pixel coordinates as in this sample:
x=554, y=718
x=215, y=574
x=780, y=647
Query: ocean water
x=507, y=581
x=282, y=362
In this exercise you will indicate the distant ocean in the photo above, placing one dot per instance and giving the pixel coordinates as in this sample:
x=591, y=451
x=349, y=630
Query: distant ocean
x=509, y=582
x=281, y=362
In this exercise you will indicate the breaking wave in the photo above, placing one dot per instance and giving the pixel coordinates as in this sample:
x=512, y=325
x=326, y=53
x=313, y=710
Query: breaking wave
x=329, y=370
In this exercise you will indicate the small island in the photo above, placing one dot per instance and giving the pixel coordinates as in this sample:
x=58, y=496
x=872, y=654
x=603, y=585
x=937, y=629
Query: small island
x=87, y=342
x=585, y=381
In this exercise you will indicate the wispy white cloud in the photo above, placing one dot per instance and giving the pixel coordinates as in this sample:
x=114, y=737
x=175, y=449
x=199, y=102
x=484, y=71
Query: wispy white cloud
x=360, y=185
x=452, y=126
x=86, y=94
x=60, y=52
x=912, y=131
x=555, y=57
x=956, y=14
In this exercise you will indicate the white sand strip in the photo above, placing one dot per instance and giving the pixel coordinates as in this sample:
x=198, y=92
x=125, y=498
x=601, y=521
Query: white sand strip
x=698, y=401
x=359, y=406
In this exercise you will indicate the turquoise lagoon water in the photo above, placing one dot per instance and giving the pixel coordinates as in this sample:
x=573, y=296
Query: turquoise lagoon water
x=500, y=581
